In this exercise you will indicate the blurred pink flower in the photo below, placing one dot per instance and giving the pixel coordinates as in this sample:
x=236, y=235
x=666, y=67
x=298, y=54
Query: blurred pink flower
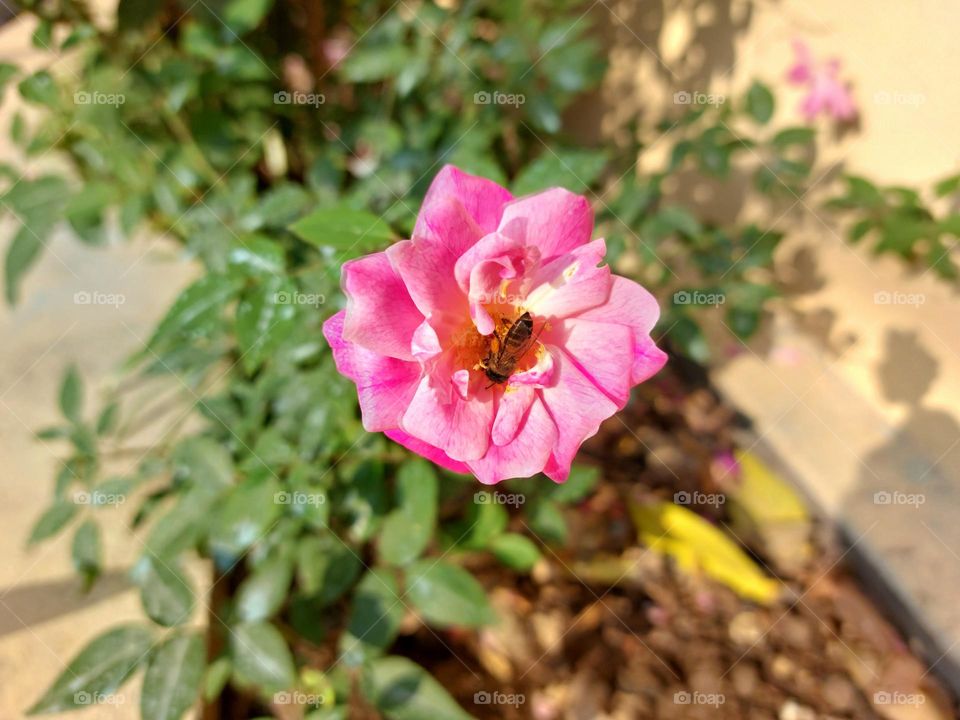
x=423, y=318
x=826, y=92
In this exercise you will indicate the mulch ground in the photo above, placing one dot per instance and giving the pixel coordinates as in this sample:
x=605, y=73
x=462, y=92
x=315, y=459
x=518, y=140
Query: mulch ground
x=606, y=629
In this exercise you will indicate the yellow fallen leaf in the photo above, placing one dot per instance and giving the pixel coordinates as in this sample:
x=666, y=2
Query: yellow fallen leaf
x=698, y=546
x=767, y=514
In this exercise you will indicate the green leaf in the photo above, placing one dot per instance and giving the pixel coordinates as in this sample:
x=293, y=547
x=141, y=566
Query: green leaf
x=859, y=229
x=947, y=186
x=261, y=657
x=672, y=219
x=326, y=567
x=760, y=102
x=100, y=669
x=543, y=111
x=575, y=170
x=375, y=615
x=165, y=592
x=365, y=501
x=203, y=462
x=515, y=551
x=860, y=193
x=369, y=63
x=262, y=593
x=266, y=316
x=184, y=526
x=256, y=256
x=794, y=136
x=71, y=394
x=7, y=72
x=195, y=307
x=447, y=595
x=408, y=529
x=172, y=681
x=86, y=550
x=402, y=690
x=277, y=208
x=52, y=521
x=486, y=518
x=216, y=677
x=743, y=321
x=246, y=515
x=242, y=16
x=107, y=420
x=40, y=88
x=546, y=521
x=23, y=252
x=348, y=231
x=684, y=331
x=85, y=211
x=582, y=480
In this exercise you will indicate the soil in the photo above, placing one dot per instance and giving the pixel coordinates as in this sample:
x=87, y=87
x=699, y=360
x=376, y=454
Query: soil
x=604, y=628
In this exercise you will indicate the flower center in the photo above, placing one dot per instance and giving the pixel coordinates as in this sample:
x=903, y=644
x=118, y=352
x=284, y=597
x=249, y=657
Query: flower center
x=493, y=355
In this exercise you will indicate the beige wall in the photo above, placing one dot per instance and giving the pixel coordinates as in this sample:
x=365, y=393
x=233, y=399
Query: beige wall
x=902, y=52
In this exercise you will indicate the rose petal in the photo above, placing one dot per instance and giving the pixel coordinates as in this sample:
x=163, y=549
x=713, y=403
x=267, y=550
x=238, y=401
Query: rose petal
x=525, y=455
x=511, y=409
x=483, y=199
x=570, y=284
x=556, y=221
x=577, y=407
x=631, y=305
x=380, y=315
x=431, y=453
x=426, y=263
x=482, y=271
x=603, y=353
x=385, y=385
x=458, y=426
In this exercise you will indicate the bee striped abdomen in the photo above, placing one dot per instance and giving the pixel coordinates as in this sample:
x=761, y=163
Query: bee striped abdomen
x=506, y=350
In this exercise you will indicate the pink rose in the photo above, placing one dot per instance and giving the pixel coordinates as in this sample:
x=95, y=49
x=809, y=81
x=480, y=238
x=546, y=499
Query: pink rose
x=427, y=319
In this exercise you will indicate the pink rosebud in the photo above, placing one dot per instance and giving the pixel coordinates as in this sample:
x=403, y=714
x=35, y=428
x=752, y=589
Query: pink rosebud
x=826, y=92
x=425, y=319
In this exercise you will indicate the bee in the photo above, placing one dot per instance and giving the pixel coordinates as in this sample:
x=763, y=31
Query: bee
x=508, y=347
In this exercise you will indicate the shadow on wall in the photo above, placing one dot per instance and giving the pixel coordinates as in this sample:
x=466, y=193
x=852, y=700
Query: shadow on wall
x=908, y=491
x=657, y=50
x=28, y=605
x=923, y=454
